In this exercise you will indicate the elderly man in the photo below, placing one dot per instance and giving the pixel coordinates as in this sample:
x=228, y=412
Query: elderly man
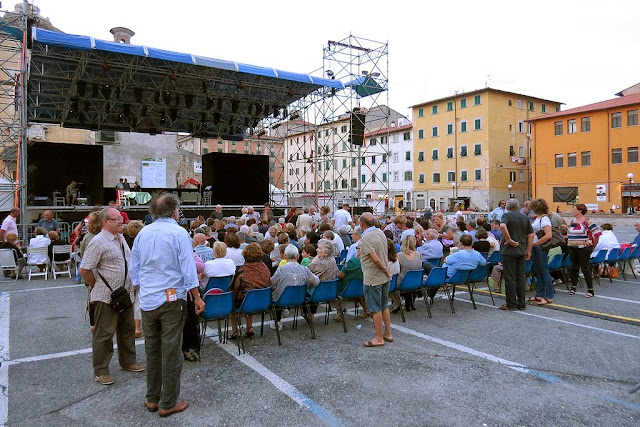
x=252, y=214
x=48, y=222
x=303, y=220
x=107, y=257
x=353, y=249
x=217, y=213
x=268, y=214
x=517, y=235
x=200, y=247
x=315, y=216
x=9, y=224
x=342, y=217
x=374, y=258
x=431, y=248
x=499, y=211
x=162, y=265
x=526, y=211
x=471, y=230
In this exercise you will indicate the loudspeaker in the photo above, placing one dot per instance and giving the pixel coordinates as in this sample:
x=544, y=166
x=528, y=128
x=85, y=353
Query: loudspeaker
x=42, y=201
x=357, y=128
x=236, y=179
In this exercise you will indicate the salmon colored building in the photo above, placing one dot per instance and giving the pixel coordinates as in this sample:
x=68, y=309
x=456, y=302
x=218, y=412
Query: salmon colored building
x=588, y=155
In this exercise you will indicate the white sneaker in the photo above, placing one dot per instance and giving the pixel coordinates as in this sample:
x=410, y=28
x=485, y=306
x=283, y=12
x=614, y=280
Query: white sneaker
x=273, y=326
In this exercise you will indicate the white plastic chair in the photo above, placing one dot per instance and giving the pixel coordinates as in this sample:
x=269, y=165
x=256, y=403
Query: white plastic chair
x=8, y=263
x=61, y=249
x=38, y=251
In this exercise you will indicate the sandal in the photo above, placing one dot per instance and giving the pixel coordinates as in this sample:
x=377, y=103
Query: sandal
x=589, y=295
x=234, y=336
x=535, y=299
x=544, y=301
x=250, y=333
x=572, y=292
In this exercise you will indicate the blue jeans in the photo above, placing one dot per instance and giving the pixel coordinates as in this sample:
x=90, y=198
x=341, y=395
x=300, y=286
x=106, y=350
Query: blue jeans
x=544, y=284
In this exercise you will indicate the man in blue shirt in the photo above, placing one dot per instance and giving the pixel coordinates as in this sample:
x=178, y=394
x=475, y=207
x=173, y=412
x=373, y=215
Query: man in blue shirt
x=465, y=259
x=499, y=211
x=48, y=222
x=162, y=265
x=431, y=248
x=495, y=229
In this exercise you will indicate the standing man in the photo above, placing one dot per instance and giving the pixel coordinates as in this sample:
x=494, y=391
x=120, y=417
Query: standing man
x=304, y=220
x=162, y=265
x=72, y=193
x=48, y=222
x=315, y=216
x=499, y=211
x=342, y=217
x=526, y=211
x=516, y=244
x=374, y=257
x=9, y=225
x=105, y=264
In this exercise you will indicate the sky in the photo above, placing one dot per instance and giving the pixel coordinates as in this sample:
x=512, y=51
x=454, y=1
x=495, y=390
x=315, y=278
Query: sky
x=572, y=51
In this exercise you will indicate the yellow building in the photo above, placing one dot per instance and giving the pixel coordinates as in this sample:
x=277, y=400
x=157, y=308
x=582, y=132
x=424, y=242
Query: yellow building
x=583, y=155
x=470, y=147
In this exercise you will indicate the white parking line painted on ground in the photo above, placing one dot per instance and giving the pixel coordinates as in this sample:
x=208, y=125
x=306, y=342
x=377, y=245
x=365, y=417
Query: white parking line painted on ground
x=5, y=320
x=46, y=288
x=603, y=297
x=289, y=390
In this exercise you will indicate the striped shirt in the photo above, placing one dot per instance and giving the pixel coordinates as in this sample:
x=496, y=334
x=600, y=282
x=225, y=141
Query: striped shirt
x=578, y=235
x=104, y=255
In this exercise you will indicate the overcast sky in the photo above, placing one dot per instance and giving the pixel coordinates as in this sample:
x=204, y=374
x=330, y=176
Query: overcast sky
x=572, y=51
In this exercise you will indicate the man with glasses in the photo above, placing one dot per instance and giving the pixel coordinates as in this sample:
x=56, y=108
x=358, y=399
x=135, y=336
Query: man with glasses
x=499, y=211
x=105, y=264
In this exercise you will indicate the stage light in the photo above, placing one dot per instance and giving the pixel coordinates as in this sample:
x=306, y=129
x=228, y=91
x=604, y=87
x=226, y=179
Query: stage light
x=144, y=111
x=216, y=118
x=81, y=87
x=172, y=76
x=163, y=119
x=258, y=109
x=73, y=106
x=276, y=111
x=137, y=94
x=261, y=132
x=126, y=109
x=256, y=121
x=234, y=106
x=329, y=73
x=204, y=87
x=188, y=100
x=275, y=126
x=220, y=104
x=284, y=112
x=209, y=103
x=166, y=98
x=294, y=116
x=240, y=85
x=105, y=66
x=173, y=113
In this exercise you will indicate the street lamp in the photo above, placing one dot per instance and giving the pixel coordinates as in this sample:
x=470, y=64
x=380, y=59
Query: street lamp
x=510, y=187
x=630, y=177
x=453, y=194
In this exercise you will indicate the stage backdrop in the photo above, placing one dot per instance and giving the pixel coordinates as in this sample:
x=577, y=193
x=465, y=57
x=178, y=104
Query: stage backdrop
x=236, y=179
x=51, y=166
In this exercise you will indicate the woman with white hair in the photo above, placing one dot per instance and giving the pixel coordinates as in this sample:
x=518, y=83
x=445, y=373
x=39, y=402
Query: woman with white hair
x=323, y=265
x=219, y=266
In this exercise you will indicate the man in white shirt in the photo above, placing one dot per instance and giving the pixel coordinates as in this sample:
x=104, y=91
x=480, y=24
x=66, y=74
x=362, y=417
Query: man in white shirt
x=342, y=217
x=304, y=220
x=9, y=225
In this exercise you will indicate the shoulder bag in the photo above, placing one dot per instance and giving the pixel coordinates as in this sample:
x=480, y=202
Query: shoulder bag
x=556, y=237
x=120, y=299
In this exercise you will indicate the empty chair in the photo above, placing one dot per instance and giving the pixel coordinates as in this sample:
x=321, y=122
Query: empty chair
x=434, y=281
x=623, y=260
x=412, y=282
x=324, y=293
x=217, y=306
x=293, y=297
x=352, y=292
x=480, y=274
x=221, y=283
x=57, y=250
x=8, y=262
x=459, y=278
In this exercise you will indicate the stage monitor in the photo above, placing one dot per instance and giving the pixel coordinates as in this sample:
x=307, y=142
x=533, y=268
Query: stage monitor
x=236, y=179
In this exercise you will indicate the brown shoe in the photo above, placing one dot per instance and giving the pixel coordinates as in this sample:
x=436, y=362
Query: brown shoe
x=134, y=368
x=178, y=407
x=151, y=407
x=104, y=379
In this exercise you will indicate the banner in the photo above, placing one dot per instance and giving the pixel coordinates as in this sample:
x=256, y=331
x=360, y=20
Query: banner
x=154, y=172
x=601, y=192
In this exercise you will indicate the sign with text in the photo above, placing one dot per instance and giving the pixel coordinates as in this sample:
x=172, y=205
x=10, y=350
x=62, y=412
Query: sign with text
x=154, y=172
x=601, y=192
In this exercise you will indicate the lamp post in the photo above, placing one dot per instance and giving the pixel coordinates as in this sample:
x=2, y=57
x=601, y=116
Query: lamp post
x=510, y=187
x=453, y=194
x=630, y=177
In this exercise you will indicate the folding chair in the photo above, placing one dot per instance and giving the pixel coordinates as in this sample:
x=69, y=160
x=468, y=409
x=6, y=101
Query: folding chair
x=8, y=263
x=217, y=306
x=478, y=275
x=38, y=251
x=494, y=259
x=353, y=292
x=324, y=293
x=623, y=259
x=635, y=254
x=459, y=278
x=435, y=261
x=342, y=257
x=221, y=283
x=256, y=301
x=612, y=257
x=293, y=297
x=435, y=280
x=57, y=250
x=412, y=282
x=596, y=261
x=392, y=283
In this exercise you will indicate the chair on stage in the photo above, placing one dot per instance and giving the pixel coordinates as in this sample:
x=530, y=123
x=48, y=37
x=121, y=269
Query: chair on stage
x=206, y=197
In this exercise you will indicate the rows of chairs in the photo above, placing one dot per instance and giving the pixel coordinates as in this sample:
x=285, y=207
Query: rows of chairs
x=51, y=266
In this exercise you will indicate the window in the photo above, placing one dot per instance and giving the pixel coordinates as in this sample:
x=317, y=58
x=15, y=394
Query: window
x=531, y=107
x=477, y=174
x=220, y=150
x=616, y=155
x=407, y=136
x=558, y=128
x=557, y=110
x=364, y=161
x=450, y=153
x=477, y=124
x=383, y=139
x=384, y=177
x=585, y=124
x=510, y=103
x=521, y=104
x=477, y=149
x=326, y=133
x=344, y=183
x=463, y=103
x=372, y=141
x=373, y=178
x=616, y=120
x=477, y=100
x=543, y=108
x=435, y=177
x=463, y=151
x=354, y=182
x=572, y=160
x=421, y=156
x=434, y=109
x=205, y=150
x=396, y=176
x=449, y=128
x=421, y=178
x=233, y=151
x=464, y=175
x=572, y=126
x=395, y=157
x=559, y=160
x=512, y=177
x=420, y=133
x=520, y=151
x=434, y=131
x=434, y=154
x=512, y=152
x=344, y=163
x=353, y=163
x=520, y=176
x=632, y=118
x=343, y=129
x=384, y=158
x=363, y=179
x=632, y=155
x=451, y=176
x=319, y=135
x=521, y=126
x=408, y=176
x=463, y=126
x=420, y=112
x=407, y=155
x=586, y=158
x=373, y=160
x=449, y=108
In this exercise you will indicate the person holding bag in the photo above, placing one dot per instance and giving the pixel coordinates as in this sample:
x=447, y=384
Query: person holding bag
x=542, y=230
x=582, y=236
x=104, y=269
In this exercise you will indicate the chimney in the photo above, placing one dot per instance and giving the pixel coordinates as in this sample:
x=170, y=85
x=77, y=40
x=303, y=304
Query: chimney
x=122, y=35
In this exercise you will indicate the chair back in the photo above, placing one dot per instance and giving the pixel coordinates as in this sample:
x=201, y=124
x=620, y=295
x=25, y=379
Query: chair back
x=7, y=260
x=292, y=296
x=600, y=257
x=392, y=282
x=343, y=255
x=221, y=283
x=436, y=278
x=435, y=261
x=217, y=305
x=412, y=281
x=459, y=277
x=495, y=257
x=613, y=255
x=324, y=292
x=44, y=250
x=256, y=301
x=625, y=254
x=567, y=262
x=556, y=262
x=485, y=255
x=353, y=290
x=635, y=253
x=479, y=274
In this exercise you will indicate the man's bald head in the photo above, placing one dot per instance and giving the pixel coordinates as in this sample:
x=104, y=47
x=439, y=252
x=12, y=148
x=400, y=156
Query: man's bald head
x=199, y=239
x=367, y=219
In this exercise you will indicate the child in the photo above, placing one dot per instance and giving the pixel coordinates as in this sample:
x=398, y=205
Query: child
x=308, y=253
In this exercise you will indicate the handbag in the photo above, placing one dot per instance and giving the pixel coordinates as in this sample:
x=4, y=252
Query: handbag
x=120, y=299
x=555, y=241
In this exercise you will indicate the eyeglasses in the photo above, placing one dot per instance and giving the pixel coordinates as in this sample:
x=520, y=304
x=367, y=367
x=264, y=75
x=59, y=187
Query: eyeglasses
x=116, y=219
